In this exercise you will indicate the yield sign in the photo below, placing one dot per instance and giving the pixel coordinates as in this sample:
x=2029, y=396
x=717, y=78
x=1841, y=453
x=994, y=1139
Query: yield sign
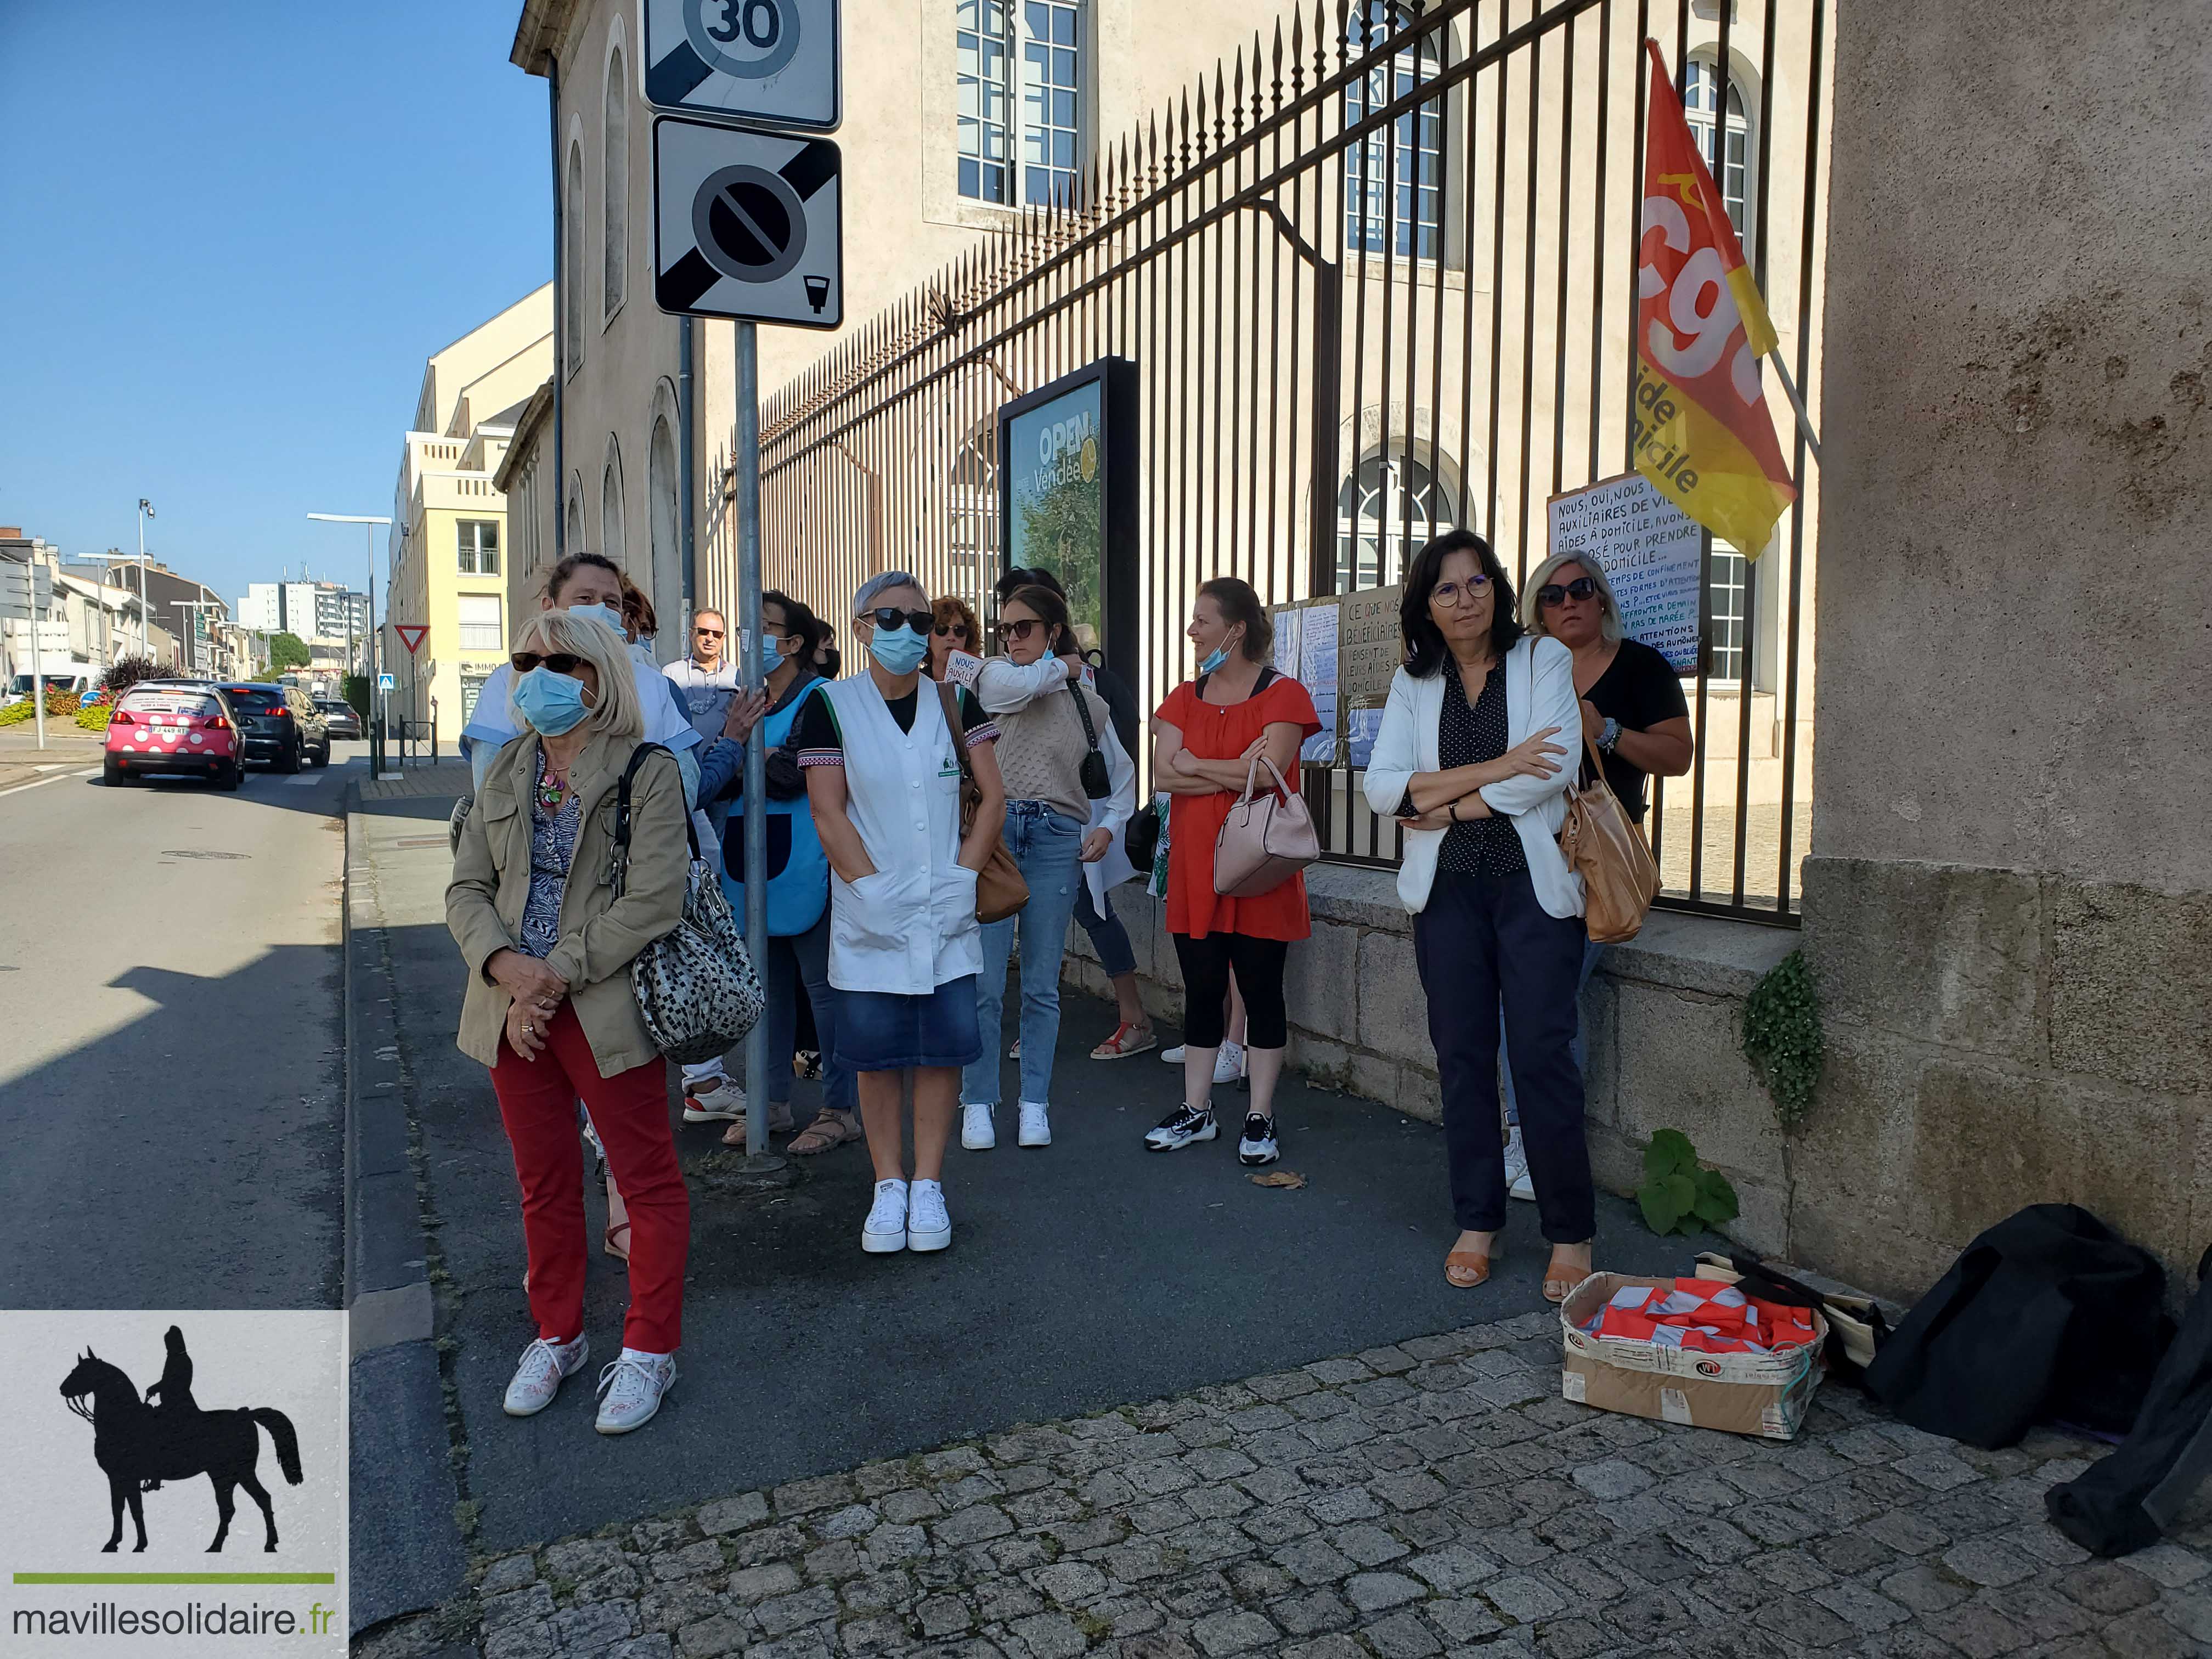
x=411, y=635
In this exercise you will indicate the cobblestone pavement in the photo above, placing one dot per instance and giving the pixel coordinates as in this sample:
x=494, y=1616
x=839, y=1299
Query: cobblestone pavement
x=1434, y=1498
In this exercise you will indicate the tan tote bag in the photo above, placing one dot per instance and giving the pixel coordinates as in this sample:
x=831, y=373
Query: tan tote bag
x=1603, y=846
x=1268, y=837
x=1000, y=891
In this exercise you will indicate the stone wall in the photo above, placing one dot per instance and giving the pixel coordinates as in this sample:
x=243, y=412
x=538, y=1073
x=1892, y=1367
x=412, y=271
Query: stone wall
x=2012, y=877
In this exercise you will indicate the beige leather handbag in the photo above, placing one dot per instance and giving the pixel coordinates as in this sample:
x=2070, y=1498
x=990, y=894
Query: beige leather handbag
x=1268, y=837
x=1602, y=845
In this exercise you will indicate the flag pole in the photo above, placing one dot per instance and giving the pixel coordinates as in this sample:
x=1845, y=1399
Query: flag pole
x=1796, y=402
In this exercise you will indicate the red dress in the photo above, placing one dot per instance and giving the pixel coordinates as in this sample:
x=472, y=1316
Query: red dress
x=1216, y=731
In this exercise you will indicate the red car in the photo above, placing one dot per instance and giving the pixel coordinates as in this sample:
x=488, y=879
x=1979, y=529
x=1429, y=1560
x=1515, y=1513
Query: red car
x=174, y=728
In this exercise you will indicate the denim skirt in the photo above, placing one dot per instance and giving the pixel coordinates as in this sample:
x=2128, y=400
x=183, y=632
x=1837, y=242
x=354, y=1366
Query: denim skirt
x=885, y=1031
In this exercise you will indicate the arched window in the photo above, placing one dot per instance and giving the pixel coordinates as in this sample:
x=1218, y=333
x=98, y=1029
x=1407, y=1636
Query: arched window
x=1394, y=177
x=665, y=525
x=573, y=276
x=612, y=542
x=616, y=185
x=1728, y=158
x=574, y=541
x=1384, y=513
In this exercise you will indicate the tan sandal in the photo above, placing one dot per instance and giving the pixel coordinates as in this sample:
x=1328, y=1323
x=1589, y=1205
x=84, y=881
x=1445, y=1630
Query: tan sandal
x=1476, y=1263
x=828, y=1130
x=1558, y=1289
x=617, y=1242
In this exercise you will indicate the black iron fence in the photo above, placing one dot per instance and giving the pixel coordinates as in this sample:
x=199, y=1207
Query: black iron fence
x=1377, y=277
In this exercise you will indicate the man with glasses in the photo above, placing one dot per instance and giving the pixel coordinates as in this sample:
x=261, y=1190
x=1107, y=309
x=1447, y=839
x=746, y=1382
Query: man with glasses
x=707, y=677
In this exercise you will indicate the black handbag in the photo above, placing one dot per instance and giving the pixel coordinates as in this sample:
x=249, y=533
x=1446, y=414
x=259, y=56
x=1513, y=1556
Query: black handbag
x=1097, y=781
x=1141, y=840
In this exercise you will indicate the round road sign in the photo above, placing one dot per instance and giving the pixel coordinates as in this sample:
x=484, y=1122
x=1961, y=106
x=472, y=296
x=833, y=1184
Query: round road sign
x=749, y=39
x=750, y=223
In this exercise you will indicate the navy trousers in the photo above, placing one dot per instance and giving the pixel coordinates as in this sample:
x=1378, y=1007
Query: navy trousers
x=1483, y=942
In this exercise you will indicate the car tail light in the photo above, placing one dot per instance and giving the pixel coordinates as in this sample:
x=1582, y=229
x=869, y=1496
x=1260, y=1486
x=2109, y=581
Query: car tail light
x=280, y=713
x=217, y=723
x=121, y=718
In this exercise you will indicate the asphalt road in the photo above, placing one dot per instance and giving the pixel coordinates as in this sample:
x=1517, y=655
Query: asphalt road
x=171, y=1098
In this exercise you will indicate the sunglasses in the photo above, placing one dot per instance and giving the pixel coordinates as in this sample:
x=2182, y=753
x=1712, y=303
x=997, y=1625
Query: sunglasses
x=1017, y=630
x=1552, y=593
x=708, y=633
x=957, y=629
x=561, y=662
x=890, y=616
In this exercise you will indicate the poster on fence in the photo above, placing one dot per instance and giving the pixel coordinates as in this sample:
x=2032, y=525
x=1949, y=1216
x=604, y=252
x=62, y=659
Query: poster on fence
x=1317, y=636
x=1648, y=548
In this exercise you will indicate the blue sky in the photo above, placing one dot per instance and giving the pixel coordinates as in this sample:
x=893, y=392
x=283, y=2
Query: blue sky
x=233, y=231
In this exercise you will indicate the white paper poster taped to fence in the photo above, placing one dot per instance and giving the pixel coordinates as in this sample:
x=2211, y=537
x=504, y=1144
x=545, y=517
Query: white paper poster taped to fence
x=1648, y=548
x=1318, y=630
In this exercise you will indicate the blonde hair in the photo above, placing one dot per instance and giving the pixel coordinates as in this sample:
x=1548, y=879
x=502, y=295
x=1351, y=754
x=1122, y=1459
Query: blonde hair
x=549, y=633
x=1608, y=612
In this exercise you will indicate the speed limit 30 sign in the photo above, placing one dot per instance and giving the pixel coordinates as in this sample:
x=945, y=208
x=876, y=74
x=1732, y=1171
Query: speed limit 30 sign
x=773, y=62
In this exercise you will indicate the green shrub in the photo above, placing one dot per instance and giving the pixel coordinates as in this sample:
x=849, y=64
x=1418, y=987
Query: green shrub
x=1782, y=1037
x=96, y=717
x=1677, y=1196
x=16, y=713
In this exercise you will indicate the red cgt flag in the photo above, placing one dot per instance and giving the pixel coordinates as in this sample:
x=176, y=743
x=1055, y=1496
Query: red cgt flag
x=1703, y=434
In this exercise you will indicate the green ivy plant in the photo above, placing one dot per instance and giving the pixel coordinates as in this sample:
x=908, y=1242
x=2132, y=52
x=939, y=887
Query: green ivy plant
x=1782, y=1037
x=1677, y=1196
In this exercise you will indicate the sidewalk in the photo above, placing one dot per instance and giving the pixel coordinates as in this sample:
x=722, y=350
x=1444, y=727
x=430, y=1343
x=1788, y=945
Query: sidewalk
x=1431, y=1497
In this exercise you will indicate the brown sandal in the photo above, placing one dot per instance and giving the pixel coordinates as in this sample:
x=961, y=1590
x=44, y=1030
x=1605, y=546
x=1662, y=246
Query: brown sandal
x=1470, y=1262
x=828, y=1132
x=1557, y=1289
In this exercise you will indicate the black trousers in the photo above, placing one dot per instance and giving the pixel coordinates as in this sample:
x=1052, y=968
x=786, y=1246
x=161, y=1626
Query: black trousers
x=1483, y=941
x=1206, y=966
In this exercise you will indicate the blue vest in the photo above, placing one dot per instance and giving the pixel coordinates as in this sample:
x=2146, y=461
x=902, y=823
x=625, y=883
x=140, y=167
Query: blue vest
x=797, y=868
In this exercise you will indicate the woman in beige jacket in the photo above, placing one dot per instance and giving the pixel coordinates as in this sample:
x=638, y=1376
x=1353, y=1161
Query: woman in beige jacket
x=549, y=1006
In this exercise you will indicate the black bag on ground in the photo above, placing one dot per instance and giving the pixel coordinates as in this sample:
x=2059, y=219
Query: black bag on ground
x=2050, y=1315
x=2128, y=1500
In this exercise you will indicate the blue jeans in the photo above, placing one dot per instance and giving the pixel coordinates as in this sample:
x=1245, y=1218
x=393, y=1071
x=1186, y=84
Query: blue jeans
x=1108, y=936
x=1591, y=951
x=795, y=960
x=1046, y=847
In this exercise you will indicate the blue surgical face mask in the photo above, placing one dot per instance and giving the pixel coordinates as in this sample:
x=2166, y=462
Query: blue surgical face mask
x=551, y=703
x=1220, y=656
x=899, y=649
x=604, y=613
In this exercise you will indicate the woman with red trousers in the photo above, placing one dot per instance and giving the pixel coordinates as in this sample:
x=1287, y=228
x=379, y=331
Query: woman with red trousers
x=549, y=1008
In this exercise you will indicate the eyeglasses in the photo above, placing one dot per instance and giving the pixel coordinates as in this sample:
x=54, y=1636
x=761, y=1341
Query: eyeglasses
x=1017, y=630
x=958, y=630
x=890, y=617
x=561, y=662
x=1453, y=594
x=708, y=633
x=1552, y=593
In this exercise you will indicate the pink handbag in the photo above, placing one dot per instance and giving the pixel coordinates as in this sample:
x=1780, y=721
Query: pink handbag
x=1268, y=837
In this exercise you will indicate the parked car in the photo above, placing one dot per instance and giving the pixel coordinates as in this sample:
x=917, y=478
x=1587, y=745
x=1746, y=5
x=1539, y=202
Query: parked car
x=173, y=726
x=61, y=681
x=343, y=721
x=281, y=724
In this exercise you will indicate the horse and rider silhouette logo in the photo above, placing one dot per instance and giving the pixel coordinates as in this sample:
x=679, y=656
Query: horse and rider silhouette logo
x=138, y=1444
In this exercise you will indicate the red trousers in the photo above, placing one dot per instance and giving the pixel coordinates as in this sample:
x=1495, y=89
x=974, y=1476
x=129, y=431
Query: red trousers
x=537, y=1103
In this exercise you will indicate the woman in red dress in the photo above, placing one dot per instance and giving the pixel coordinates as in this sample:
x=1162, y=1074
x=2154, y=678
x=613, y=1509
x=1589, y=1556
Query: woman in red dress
x=1205, y=737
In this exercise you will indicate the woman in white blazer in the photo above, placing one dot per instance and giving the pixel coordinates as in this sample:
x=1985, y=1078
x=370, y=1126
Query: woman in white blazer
x=1470, y=760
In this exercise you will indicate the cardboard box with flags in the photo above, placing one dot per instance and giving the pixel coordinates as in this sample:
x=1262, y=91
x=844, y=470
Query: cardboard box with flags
x=1745, y=1390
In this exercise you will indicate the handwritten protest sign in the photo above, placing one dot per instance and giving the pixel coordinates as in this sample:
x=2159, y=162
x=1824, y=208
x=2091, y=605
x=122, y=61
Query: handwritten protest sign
x=1648, y=549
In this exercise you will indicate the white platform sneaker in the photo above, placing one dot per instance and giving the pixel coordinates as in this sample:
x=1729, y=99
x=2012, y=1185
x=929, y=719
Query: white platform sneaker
x=928, y=1222
x=1036, y=1124
x=884, y=1231
x=978, y=1133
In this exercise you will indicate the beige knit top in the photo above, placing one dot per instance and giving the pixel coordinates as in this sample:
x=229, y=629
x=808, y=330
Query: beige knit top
x=1041, y=749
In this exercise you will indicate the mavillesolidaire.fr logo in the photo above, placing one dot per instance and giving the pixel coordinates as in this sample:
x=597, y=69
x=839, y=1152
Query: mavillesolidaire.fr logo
x=173, y=1475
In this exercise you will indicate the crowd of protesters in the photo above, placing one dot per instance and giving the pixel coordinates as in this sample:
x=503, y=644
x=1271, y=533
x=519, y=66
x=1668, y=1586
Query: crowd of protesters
x=890, y=794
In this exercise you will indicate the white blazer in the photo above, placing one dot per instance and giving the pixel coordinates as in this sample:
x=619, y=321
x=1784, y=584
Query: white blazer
x=1540, y=691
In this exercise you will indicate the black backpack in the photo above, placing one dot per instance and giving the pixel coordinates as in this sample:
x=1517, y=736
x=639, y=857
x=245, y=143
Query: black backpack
x=2128, y=1500
x=2048, y=1317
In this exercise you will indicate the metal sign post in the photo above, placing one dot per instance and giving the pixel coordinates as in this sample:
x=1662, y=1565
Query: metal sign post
x=749, y=671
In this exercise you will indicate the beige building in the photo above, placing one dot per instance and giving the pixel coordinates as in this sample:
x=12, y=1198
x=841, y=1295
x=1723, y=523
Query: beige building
x=449, y=553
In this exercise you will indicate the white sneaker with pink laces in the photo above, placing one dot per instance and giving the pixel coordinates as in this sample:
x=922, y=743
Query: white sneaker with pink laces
x=544, y=1366
x=630, y=1389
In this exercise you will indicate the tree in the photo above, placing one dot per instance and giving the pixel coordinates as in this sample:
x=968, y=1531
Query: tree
x=287, y=651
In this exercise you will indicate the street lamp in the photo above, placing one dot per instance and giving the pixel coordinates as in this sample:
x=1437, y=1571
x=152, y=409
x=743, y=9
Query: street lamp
x=367, y=521
x=145, y=511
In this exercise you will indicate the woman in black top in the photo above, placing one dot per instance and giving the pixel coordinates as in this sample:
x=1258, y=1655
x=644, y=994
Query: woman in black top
x=1633, y=711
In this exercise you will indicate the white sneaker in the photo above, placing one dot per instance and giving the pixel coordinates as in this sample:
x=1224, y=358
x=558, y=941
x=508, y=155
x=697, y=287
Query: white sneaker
x=1181, y=1128
x=1258, y=1144
x=977, y=1132
x=884, y=1231
x=1517, y=1183
x=1173, y=1056
x=630, y=1389
x=722, y=1103
x=928, y=1224
x=1036, y=1125
x=1229, y=1063
x=544, y=1366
